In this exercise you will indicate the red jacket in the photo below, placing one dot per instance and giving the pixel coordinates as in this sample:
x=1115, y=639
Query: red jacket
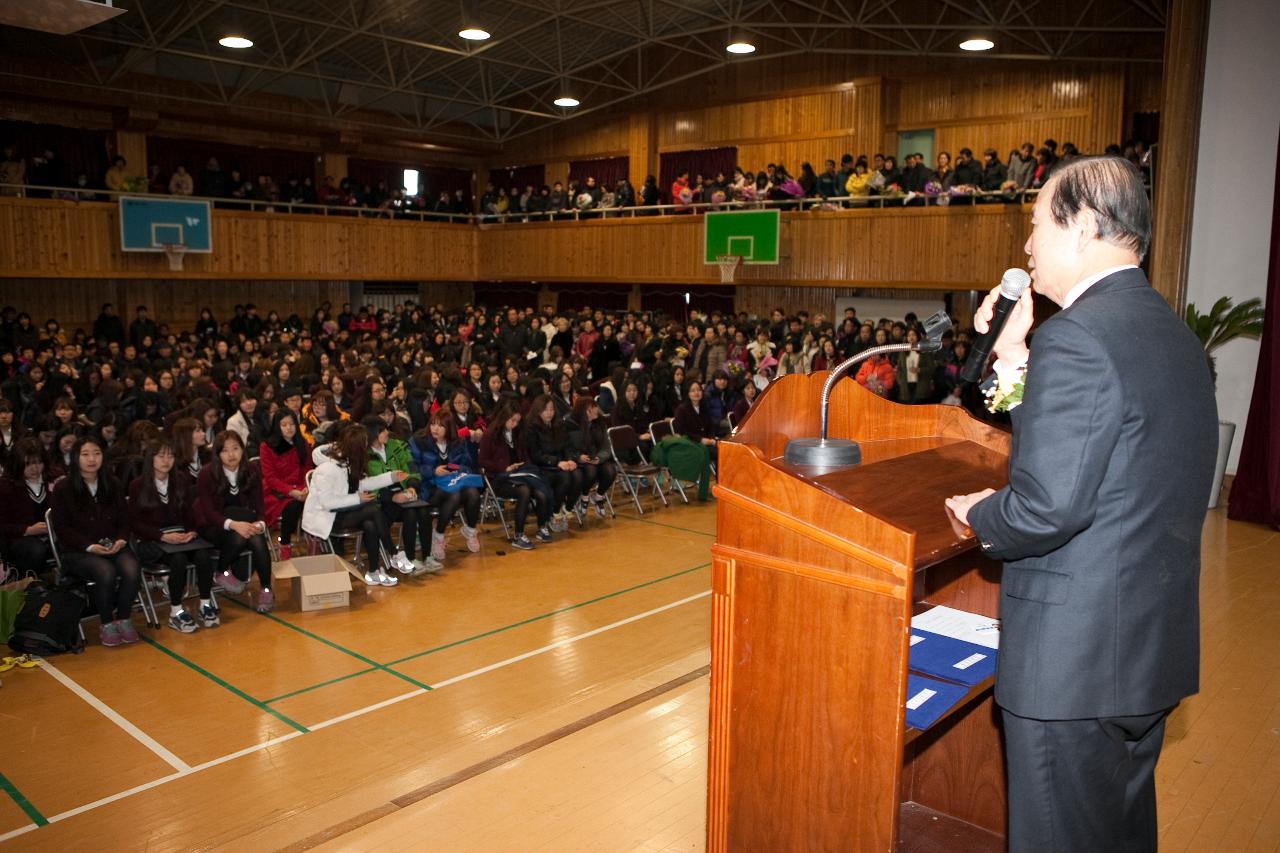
x=884, y=373
x=281, y=472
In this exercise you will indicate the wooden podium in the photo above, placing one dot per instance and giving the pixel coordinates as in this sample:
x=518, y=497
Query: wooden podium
x=815, y=580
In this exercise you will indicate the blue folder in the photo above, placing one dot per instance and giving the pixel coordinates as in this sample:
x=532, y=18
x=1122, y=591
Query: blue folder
x=949, y=658
x=931, y=699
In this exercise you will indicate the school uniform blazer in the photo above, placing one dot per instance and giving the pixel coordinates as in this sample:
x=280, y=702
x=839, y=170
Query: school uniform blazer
x=1112, y=457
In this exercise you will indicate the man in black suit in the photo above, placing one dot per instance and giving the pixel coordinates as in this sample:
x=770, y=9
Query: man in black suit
x=1099, y=528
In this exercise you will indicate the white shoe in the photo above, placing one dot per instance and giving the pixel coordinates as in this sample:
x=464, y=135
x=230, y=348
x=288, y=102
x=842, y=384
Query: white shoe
x=386, y=579
x=472, y=540
x=426, y=566
x=371, y=579
x=437, y=546
x=401, y=563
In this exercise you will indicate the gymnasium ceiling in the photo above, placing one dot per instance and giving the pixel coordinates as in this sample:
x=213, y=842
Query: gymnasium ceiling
x=399, y=65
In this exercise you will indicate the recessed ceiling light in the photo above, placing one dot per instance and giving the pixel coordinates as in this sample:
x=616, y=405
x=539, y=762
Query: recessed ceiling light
x=566, y=101
x=237, y=42
x=740, y=47
x=474, y=34
x=977, y=44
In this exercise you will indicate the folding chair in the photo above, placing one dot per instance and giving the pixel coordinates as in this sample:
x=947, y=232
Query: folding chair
x=623, y=439
x=491, y=504
x=659, y=430
x=158, y=573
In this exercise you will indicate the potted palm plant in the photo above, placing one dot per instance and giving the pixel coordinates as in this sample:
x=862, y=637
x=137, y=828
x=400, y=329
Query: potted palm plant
x=1224, y=322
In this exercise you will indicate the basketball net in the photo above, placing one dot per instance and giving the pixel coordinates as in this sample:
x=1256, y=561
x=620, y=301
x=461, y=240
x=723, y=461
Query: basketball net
x=174, y=252
x=728, y=266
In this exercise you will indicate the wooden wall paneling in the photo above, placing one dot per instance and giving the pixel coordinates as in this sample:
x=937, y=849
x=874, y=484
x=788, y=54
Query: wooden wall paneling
x=642, y=145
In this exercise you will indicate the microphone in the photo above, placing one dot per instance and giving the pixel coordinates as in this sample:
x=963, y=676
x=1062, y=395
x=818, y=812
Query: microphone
x=1012, y=284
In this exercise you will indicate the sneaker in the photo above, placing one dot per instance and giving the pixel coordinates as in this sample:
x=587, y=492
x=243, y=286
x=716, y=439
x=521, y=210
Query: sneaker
x=128, y=634
x=228, y=582
x=472, y=540
x=371, y=579
x=544, y=535
x=559, y=523
x=522, y=542
x=401, y=563
x=598, y=503
x=286, y=551
x=209, y=616
x=182, y=622
x=266, y=601
x=427, y=565
x=437, y=546
x=109, y=634
x=386, y=579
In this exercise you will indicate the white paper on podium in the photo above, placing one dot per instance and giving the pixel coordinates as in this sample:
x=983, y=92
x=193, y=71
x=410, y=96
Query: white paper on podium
x=960, y=625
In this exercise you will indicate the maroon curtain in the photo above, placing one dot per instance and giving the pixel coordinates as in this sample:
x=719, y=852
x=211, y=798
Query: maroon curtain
x=1255, y=494
x=607, y=171
x=167, y=153
x=81, y=151
x=608, y=297
x=704, y=161
x=519, y=177
x=669, y=298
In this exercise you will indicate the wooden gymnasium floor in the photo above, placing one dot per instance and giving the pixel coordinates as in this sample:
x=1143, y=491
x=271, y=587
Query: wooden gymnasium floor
x=553, y=700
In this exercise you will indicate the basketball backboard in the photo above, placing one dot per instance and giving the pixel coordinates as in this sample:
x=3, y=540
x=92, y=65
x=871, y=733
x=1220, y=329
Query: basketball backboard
x=752, y=235
x=157, y=224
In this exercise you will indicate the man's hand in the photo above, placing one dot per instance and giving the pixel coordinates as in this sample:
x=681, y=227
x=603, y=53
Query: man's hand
x=1011, y=346
x=961, y=504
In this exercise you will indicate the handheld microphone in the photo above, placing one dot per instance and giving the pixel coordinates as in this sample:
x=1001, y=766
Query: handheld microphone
x=1012, y=284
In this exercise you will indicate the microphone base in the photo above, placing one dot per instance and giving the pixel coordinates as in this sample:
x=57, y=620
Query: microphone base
x=817, y=453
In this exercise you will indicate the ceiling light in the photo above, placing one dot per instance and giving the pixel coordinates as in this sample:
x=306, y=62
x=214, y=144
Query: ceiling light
x=237, y=42
x=474, y=34
x=566, y=101
x=740, y=47
x=977, y=44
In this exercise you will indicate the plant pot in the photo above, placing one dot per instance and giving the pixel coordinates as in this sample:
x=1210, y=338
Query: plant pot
x=1226, y=435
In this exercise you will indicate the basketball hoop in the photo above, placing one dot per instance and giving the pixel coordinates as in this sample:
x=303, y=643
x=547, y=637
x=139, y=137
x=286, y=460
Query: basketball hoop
x=728, y=266
x=174, y=252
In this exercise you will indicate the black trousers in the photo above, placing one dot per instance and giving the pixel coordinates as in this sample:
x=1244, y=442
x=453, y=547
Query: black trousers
x=1079, y=785
x=231, y=545
x=565, y=485
x=600, y=475
x=415, y=526
x=29, y=554
x=369, y=519
x=505, y=487
x=152, y=554
x=448, y=503
x=115, y=578
x=289, y=518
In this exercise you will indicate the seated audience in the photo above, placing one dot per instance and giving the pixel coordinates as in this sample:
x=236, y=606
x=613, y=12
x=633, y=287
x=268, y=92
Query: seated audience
x=442, y=458
x=24, y=499
x=228, y=514
x=510, y=474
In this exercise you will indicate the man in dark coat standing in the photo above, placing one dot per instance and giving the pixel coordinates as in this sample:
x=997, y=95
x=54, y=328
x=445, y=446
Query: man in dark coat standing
x=1113, y=452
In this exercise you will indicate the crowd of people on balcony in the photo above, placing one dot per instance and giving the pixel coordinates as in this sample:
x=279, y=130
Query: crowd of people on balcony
x=860, y=180
x=155, y=433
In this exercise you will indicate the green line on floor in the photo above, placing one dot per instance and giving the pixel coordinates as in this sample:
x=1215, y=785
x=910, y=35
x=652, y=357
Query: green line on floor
x=547, y=615
x=262, y=706
x=373, y=663
x=23, y=802
x=293, y=693
x=674, y=527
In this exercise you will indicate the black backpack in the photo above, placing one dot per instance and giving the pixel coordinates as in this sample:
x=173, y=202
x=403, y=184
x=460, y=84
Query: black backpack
x=49, y=622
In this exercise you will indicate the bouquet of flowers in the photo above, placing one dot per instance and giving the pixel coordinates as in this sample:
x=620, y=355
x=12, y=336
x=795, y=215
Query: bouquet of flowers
x=933, y=188
x=892, y=191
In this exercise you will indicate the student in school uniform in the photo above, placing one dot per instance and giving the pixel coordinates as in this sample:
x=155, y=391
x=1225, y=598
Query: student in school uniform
x=228, y=514
x=24, y=498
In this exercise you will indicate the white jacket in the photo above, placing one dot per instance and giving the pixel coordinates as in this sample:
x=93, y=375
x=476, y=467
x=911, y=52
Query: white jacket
x=329, y=493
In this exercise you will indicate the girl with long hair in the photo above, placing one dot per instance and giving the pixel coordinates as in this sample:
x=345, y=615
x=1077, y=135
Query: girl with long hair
x=400, y=501
x=285, y=460
x=228, y=514
x=190, y=449
x=162, y=513
x=501, y=457
x=586, y=436
x=342, y=498
x=439, y=451
x=546, y=445
x=92, y=531
x=24, y=497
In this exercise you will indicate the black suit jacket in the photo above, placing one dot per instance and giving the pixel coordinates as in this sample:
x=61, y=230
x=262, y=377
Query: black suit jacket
x=1109, y=476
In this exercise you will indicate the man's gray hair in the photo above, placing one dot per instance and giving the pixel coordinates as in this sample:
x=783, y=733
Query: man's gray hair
x=1111, y=188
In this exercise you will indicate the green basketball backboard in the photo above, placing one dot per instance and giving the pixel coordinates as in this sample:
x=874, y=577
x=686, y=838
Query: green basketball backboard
x=749, y=234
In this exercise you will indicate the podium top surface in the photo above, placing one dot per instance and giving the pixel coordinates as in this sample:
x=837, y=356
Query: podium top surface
x=904, y=482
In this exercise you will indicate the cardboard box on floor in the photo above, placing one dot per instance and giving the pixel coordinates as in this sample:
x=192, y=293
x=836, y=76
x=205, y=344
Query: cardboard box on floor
x=318, y=583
